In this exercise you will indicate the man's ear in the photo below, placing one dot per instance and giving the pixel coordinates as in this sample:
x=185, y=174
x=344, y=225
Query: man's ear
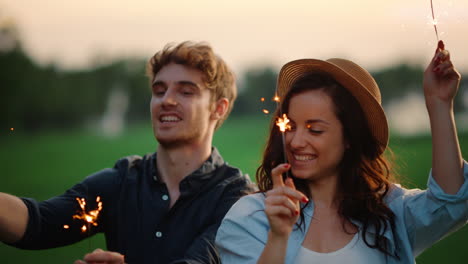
x=220, y=109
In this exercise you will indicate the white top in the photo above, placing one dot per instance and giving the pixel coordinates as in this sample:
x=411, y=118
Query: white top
x=356, y=251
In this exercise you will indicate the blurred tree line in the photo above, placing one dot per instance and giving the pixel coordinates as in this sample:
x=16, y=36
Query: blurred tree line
x=34, y=97
x=395, y=82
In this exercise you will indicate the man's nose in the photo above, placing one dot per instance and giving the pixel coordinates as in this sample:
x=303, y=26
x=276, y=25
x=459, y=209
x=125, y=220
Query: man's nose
x=169, y=98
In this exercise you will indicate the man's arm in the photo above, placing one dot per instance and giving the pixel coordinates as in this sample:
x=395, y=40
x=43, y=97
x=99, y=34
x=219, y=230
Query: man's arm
x=13, y=218
x=29, y=224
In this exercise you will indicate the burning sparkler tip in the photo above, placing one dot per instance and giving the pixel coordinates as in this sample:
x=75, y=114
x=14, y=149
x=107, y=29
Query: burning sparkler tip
x=283, y=123
x=90, y=218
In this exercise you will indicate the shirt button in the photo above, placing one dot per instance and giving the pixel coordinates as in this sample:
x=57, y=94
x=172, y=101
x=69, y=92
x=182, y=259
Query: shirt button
x=158, y=234
x=165, y=197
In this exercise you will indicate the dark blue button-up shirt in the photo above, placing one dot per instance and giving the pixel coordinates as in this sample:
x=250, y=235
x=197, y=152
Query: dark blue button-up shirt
x=136, y=218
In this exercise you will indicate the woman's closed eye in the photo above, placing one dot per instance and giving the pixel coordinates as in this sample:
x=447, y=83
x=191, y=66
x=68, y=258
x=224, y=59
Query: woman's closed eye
x=314, y=130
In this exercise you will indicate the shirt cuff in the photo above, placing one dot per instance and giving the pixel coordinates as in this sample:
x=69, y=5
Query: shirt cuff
x=462, y=193
x=455, y=204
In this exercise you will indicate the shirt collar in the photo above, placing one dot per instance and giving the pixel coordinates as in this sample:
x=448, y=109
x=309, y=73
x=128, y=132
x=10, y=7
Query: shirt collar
x=213, y=162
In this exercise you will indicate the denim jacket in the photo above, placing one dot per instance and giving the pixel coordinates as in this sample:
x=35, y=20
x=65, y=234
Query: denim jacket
x=423, y=217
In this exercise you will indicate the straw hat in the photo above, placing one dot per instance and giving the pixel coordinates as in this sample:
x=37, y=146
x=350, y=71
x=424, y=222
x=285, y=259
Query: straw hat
x=351, y=76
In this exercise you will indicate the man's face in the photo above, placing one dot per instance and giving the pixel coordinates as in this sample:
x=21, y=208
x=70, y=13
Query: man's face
x=181, y=110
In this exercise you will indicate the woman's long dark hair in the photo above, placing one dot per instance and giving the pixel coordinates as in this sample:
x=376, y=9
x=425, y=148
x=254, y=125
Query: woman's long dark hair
x=364, y=177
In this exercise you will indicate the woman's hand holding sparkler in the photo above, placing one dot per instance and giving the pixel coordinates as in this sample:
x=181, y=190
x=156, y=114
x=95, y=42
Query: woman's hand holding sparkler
x=441, y=79
x=282, y=210
x=102, y=257
x=282, y=203
x=441, y=82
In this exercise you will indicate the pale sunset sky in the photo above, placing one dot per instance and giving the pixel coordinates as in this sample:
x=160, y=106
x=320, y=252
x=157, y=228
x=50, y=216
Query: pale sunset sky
x=374, y=33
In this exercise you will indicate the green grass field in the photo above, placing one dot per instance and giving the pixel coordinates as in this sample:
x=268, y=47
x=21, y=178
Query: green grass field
x=46, y=164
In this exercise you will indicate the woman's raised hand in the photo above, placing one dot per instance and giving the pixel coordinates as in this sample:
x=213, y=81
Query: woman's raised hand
x=441, y=79
x=282, y=203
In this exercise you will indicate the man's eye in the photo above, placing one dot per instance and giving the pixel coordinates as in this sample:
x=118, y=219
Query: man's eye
x=187, y=91
x=158, y=91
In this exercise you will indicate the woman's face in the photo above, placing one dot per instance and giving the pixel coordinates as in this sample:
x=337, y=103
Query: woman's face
x=315, y=143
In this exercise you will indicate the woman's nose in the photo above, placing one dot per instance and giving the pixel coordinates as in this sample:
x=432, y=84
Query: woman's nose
x=297, y=139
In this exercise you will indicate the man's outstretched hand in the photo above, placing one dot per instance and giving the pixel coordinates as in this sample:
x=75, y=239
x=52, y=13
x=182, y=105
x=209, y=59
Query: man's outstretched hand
x=102, y=257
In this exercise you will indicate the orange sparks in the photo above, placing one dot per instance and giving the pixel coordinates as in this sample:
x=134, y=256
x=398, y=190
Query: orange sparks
x=12, y=129
x=262, y=99
x=283, y=123
x=90, y=218
x=266, y=111
x=276, y=98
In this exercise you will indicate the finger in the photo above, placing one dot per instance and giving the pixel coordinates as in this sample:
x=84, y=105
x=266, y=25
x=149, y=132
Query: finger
x=450, y=73
x=290, y=192
x=290, y=183
x=282, y=201
x=441, y=45
x=279, y=211
x=442, y=57
x=79, y=262
x=439, y=53
x=441, y=68
x=297, y=194
x=104, y=256
x=277, y=174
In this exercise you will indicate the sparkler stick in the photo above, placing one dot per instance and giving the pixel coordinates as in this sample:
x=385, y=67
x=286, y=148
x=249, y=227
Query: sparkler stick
x=282, y=123
x=434, y=21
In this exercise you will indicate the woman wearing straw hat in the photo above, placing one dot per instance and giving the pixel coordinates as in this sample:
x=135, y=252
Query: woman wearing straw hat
x=335, y=200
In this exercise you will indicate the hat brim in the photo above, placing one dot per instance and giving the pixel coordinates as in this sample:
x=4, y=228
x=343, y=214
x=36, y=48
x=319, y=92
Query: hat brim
x=372, y=108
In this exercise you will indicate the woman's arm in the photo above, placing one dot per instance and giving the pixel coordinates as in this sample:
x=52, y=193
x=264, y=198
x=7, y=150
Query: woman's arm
x=282, y=210
x=441, y=82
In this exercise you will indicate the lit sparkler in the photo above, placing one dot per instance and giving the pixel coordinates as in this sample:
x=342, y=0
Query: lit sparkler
x=283, y=124
x=90, y=218
x=434, y=21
